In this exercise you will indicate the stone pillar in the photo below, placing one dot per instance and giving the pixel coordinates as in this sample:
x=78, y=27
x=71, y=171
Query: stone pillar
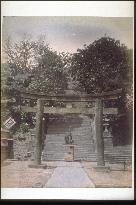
x=99, y=132
x=38, y=147
x=70, y=155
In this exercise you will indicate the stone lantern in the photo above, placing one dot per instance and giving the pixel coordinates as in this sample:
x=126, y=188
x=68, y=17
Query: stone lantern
x=108, y=143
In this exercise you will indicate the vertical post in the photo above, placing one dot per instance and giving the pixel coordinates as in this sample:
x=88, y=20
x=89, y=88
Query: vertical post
x=38, y=148
x=99, y=132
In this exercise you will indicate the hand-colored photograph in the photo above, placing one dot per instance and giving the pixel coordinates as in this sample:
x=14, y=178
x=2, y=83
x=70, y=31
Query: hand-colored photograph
x=66, y=102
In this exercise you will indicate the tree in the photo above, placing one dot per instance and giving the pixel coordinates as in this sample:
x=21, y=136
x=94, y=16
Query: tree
x=19, y=63
x=20, y=60
x=106, y=65
x=4, y=110
x=48, y=74
x=101, y=66
x=31, y=66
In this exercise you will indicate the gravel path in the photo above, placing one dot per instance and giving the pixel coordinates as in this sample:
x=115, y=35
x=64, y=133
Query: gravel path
x=69, y=175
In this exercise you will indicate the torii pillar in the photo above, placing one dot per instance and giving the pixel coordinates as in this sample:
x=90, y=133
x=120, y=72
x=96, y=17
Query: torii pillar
x=99, y=135
x=38, y=147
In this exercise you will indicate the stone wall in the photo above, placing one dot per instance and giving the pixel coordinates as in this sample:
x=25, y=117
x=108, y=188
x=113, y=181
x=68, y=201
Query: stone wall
x=23, y=145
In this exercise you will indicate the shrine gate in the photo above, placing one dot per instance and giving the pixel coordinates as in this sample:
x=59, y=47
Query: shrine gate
x=74, y=103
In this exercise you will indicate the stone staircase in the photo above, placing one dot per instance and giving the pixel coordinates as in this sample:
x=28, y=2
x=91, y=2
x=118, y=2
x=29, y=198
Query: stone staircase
x=81, y=128
x=119, y=154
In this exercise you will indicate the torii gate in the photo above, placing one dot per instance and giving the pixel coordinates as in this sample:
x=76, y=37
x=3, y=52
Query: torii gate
x=69, y=99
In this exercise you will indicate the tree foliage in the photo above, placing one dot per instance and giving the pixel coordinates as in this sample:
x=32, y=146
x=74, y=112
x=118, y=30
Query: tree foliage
x=107, y=65
x=48, y=74
x=32, y=66
x=101, y=66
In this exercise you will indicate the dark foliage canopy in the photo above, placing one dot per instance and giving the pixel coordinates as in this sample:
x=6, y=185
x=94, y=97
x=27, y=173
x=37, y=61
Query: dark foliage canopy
x=101, y=66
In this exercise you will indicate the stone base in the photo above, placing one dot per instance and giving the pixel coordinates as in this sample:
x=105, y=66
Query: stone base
x=102, y=168
x=40, y=166
x=68, y=157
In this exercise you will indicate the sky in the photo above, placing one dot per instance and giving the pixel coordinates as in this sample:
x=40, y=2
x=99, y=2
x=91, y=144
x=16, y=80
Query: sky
x=67, y=34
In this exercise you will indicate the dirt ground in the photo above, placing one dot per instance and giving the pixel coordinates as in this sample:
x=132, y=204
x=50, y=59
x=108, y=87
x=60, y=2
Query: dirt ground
x=115, y=178
x=17, y=174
